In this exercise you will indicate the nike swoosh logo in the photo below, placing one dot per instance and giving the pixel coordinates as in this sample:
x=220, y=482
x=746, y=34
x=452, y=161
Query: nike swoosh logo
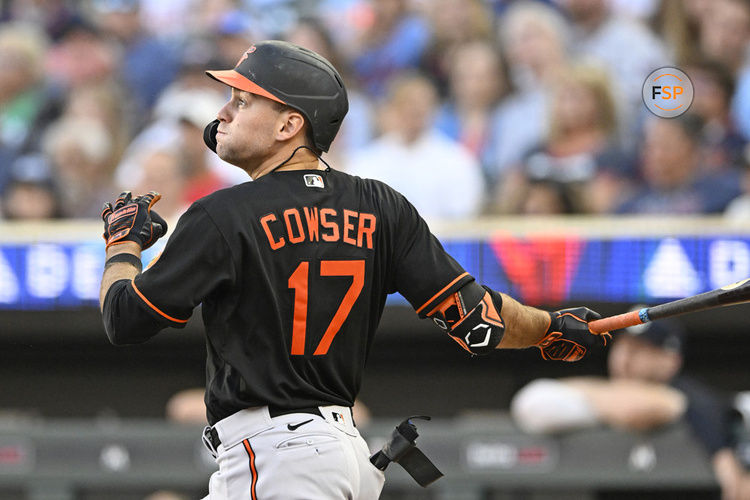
x=295, y=427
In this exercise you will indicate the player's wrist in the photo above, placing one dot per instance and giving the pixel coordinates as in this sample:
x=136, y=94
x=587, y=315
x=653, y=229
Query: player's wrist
x=130, y=247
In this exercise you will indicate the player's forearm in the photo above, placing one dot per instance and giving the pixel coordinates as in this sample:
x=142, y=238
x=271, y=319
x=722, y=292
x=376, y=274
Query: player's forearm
x=524, y=325
x=118, y=270
x=122, y=313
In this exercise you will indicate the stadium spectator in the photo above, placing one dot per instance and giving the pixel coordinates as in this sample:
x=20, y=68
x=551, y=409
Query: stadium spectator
x=672, y=172
x=644, y=392
x=79, y=149
x=453, y=23
x=725, y=37
x=25, y=97
x=477, y=84
x=546, y=197
x=437, y=174
x=148, y=64
x=625, y=46
x=394, y=41
x=81, y=56
x=722, y=146
x=534, y=38
x=232, y=35
x=205, y=17
x=51, y=15
x=163, y=170
x=28, y=191
x=103, y=102
x=677, y=23
x=725, y=33
x=175, y=20
x=581, y=142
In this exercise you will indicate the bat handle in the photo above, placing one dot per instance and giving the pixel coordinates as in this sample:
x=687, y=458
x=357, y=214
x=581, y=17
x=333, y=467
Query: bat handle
x=619, y=321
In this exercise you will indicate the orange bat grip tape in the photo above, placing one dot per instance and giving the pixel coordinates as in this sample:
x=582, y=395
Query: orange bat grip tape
x=615, y=322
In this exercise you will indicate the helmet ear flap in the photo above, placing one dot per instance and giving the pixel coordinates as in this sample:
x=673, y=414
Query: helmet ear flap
x=209, y=135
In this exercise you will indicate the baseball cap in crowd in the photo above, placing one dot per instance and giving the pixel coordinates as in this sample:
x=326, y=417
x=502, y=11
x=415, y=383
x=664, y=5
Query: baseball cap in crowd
x=29, y=190
x=30, y=169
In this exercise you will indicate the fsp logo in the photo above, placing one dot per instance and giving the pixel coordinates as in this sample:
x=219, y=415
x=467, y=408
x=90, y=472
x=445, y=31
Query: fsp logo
x=668, y=92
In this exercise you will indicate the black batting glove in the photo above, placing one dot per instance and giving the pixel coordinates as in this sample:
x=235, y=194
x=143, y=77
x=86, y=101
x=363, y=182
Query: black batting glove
x=568, y=337
x=131, y=219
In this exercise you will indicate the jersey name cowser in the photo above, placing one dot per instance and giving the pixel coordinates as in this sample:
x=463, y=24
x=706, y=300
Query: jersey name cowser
x=311, y=224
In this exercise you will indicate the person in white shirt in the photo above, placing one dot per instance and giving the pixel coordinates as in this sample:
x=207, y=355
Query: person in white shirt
x=439, y=176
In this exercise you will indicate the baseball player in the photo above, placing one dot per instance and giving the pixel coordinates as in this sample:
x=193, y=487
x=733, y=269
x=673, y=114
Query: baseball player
x=292, y=271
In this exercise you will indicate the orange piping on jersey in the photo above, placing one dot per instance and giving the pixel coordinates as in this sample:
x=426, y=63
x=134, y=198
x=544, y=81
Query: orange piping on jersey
x=442, y=291
x=153, y=261
x=253, y=470
x=148, y=303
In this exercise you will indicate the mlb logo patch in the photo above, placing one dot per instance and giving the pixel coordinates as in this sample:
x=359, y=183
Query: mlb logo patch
x=314, y=181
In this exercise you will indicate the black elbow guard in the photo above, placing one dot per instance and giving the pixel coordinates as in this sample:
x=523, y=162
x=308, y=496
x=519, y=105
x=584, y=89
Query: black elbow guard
x=471, y=316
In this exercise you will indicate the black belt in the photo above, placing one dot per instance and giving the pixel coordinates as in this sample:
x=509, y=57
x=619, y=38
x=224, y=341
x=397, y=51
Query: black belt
x=213, y=435
x=277, y=412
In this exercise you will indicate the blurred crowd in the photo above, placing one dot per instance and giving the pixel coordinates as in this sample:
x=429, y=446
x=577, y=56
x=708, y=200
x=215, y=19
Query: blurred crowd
x=468, y=107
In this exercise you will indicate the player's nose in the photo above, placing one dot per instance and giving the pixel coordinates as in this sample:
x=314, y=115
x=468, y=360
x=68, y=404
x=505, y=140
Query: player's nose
x=224, y=115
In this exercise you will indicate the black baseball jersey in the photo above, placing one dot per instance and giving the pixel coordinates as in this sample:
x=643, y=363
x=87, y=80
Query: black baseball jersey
x=292, y=271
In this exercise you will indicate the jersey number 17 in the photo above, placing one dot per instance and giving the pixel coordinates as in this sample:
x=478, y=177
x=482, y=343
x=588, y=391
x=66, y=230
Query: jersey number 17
x=298, y=282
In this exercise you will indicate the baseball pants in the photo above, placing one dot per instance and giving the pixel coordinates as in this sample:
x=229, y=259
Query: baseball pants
x=296, y=456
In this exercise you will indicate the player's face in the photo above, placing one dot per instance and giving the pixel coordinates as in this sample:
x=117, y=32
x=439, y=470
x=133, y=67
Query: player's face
x=245, y=136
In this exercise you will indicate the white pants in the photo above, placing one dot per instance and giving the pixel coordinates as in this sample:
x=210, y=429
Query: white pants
x=299, y=456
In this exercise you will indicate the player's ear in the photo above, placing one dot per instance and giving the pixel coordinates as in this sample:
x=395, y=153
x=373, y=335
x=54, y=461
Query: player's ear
x=290, y=123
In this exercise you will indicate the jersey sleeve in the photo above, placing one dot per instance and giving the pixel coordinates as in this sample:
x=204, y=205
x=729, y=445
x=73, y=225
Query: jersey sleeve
x=195, y=262
x=425, y=273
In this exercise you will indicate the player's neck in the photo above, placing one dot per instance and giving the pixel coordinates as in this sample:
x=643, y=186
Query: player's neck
x=302, y=159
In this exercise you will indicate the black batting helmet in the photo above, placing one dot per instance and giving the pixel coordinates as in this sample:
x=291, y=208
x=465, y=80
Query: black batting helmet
x=294, y=76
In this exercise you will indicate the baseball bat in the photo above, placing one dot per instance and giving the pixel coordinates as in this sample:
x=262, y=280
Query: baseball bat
x=736, y=293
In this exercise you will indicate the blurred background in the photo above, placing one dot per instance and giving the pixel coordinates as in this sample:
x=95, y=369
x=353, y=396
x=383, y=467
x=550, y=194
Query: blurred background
x=518, y=130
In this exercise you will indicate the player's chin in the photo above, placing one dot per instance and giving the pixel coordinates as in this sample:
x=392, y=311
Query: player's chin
x=223, y=152
x=227, y=154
